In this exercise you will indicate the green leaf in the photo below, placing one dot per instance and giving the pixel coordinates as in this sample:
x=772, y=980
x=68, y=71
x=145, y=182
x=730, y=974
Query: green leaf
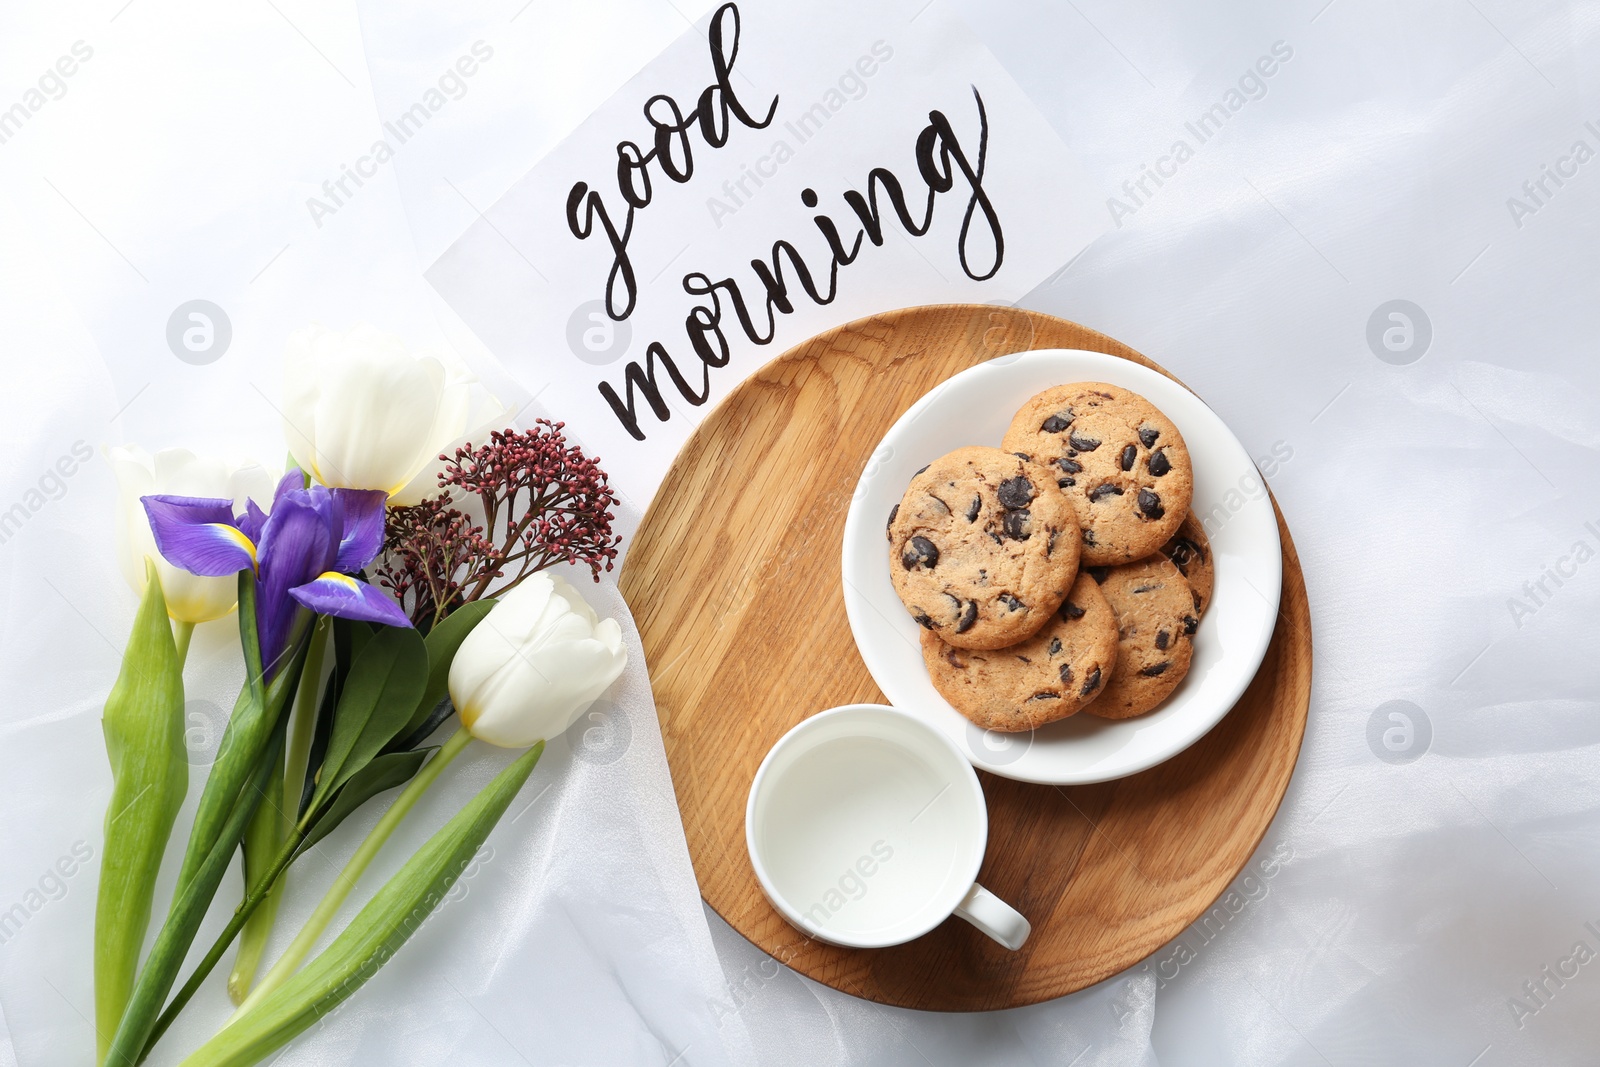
x=376, y=702
x=383, y=773
x=395, y=913
x=143, y=727
x=183, y=921
x=443, y=642
x=263, y=839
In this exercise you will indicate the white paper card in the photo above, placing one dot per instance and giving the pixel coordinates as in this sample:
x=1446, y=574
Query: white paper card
x=778, y=170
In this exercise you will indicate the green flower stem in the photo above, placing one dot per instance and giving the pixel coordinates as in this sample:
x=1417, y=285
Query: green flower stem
x=346, y=879
x=304, y=726
x=181, y=632
x=262, y=839
x=395, y=912
x=143, y=727
x=241, y=915
x=274, y=822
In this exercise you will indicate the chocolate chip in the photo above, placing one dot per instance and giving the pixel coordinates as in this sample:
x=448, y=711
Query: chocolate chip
x=997, y=538
x=1088, y=539
x=1055, y=646
x=1091, y=683
x=1100, y=492
x=1050, y=546
x=1196, y=595
x=1159, y=463
x=923, y=620
x=1150, y=504
x=922, y=468
x=1045, y=694
x=1155, y=669
x=1097, y=392
x=969, y=615
x=1023, y=456
x=1071, y=466
x=1163, y=639
x=1015, y=524
x=1083, y=443
x=1026, y=660
x=886, y=526
x=1066, y=483
x=1099, y=574
x=973, y=508
x=1189, y=624
x=1011, y=602
x=1182, y=552
x=919, y=552
x=1148, y=587
x=1148, y=435
x=1129, y=454
x=1070, y=611
x=952, y=657
x=1055, y=424
x=1015, y=492
x=1066, y=674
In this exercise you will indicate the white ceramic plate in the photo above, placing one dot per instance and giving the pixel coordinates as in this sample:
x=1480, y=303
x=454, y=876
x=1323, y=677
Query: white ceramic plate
x=974, y=408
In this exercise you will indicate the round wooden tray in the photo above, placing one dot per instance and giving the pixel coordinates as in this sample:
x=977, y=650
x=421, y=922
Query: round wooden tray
x=733, y=578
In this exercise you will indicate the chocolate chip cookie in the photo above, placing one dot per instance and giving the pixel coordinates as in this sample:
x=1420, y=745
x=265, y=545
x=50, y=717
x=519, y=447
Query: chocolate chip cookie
x=1051, y=675
x=982, y=548
x=1156, y=621
x=1119, y=460
x=1191, y=552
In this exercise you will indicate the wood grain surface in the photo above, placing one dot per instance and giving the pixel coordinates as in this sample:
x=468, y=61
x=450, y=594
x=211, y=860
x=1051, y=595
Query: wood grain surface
x=734, y=581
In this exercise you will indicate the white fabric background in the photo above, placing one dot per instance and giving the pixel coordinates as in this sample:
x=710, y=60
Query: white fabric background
x=1410, y=901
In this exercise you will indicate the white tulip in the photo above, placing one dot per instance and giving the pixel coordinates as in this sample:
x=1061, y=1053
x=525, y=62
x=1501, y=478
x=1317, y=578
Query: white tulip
x=534, y=664
x=179, y=472
x=361, y=411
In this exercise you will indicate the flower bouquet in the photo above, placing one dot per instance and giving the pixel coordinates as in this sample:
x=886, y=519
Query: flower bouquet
x=392, y=578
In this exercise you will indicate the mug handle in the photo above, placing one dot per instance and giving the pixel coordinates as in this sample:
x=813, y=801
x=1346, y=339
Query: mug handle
x=994, y=917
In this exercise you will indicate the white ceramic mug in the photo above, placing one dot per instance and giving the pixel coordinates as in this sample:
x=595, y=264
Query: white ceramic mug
x=866, y=827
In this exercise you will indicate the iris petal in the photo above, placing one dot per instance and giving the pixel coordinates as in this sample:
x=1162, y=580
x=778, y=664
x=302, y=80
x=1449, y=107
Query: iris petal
x=344, y=597
x=363, y=527
x=296, y=546
x=197, y=534
x=252, y=521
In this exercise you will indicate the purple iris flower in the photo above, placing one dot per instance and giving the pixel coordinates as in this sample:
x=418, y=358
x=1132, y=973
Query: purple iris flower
x=300, y=552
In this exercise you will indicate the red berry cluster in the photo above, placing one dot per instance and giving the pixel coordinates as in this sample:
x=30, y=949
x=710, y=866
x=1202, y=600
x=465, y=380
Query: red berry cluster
x=542, y=502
